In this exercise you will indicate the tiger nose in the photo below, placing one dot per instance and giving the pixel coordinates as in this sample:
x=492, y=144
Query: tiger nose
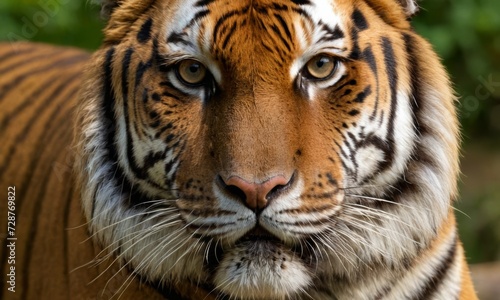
x=256, y=195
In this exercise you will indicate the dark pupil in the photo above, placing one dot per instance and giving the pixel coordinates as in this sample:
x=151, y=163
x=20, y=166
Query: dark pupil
x=194, y=68
x=321, y=62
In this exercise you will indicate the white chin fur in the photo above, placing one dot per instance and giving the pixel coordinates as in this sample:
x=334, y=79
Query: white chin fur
x=261, y=270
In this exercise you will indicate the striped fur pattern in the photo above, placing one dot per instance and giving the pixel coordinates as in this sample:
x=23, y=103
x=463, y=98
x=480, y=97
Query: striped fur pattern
x=38, y=93
x=366, y=156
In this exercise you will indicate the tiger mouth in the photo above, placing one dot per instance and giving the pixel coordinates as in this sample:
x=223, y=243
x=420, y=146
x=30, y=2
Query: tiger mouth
x=258, y=234
x=267, y=244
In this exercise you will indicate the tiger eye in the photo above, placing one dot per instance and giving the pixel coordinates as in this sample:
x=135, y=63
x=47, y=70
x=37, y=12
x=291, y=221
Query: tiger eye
x=321, y=66
x=191, y=72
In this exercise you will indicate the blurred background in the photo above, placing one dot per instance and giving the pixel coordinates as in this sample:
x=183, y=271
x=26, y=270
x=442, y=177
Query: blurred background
x=465, y=33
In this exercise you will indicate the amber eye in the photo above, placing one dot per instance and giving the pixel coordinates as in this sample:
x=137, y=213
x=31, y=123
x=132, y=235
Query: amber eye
x=191, y=72
x=321, y=67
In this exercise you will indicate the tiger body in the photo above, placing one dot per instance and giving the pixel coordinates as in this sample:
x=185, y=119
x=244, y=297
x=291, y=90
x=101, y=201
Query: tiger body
x=240, y=150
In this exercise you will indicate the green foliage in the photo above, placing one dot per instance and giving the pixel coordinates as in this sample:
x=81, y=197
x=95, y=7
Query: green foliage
x=466, y=34
x=64, y=22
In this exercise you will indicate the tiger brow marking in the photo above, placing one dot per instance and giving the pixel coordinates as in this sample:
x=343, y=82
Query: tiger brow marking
x=284, y=26
x=224, y=17
x=331, y=34
x=178, y=38
x=199, y=15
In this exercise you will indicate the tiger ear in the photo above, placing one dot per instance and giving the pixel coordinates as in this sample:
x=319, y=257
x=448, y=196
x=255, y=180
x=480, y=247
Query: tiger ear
x=410, y=7
x=107, y=7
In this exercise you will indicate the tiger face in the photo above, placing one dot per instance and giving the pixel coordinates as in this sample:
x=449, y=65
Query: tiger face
x=267, y=149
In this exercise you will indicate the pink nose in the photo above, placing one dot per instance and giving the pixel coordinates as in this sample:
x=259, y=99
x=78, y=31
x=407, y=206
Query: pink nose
x=256, y=195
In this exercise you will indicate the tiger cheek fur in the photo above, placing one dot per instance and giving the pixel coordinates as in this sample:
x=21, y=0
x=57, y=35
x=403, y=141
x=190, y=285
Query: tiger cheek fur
x=261, y=181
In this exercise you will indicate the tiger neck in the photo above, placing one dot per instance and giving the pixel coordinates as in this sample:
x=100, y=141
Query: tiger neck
x=435, y=272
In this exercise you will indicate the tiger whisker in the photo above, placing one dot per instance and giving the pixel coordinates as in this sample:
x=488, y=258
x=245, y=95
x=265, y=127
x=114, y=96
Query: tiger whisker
x=351, y=235
x=138, y=268
x=165, y=223
x=148, y=232
x=336, y=253
x=376, y=212
x=385, y=201
x=158, y=212
x=463, y=213
x=372, y=228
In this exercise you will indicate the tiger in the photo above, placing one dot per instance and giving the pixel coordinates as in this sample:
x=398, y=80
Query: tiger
x=215, y=149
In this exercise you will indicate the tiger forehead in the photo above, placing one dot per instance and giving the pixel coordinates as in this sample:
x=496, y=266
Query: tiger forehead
x=215, y=27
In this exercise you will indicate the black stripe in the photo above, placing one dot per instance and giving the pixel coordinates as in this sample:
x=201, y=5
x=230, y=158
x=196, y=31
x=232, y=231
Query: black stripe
x=416, y=94
x=203, y=2
x=353, y=112
x=360, y=98
x=46, y=138
x=379, y=12
x=433, y=282
x=116, y=172
x=386, y=146
x=28, y=100
x=350, y=82
x=109, y=103
x=22, y=194
x=392, y=77
x=359, y=20
x=178, y=38
x=8, y=55
x=143, y=67
x=139, y=172
x=21, y=137
x=279, y=7
x=301, y=2
x=109, y=121
x=370, y=59
x=67, y=61
x=228, y=36
x=27, y=60
x=199, y=15
x=223, y=18
x=144, y=34
x=355, y=51
x=285, y=42
x=331, y=34
x=284, y=26
x=125, y=98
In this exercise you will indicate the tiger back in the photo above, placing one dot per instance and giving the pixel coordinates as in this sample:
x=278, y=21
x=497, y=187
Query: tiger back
x=235, y=150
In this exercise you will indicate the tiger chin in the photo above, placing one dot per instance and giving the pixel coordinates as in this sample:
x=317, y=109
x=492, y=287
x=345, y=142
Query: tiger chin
x=272, y=150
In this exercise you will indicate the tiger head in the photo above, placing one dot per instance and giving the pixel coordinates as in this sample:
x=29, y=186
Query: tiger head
x=266, y=149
